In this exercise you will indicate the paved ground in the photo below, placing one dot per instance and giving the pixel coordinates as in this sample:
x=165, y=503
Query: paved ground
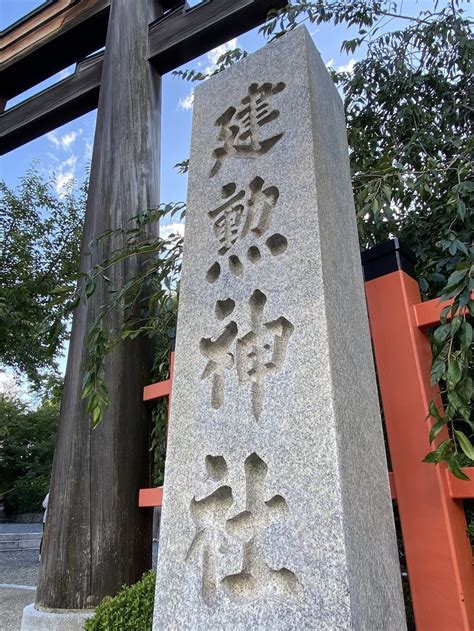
x=12, y=602
x=8, y=528
x=18, y=572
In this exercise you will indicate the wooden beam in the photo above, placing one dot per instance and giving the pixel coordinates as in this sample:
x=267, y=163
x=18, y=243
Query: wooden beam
x=59, y=104
x=175, y=39
x=180, y=36
x=54, y=41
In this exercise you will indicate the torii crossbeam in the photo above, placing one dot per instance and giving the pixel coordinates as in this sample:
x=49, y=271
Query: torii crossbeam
x=77, y=29
x=97, y=538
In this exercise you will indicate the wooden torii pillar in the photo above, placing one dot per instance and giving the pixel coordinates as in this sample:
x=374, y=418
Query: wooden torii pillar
x=97, y=538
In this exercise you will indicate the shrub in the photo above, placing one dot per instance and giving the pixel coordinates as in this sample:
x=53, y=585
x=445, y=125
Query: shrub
x=26, y=453
x=27, y=496
x=130, y=610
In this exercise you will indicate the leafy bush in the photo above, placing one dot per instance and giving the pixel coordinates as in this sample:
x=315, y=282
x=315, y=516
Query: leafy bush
x=130, y=610
x=27, y=440
x=27, y=496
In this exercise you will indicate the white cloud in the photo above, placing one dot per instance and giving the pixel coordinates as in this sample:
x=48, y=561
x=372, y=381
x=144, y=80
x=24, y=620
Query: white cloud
x=64, y=175
x=349, y=67
x=213, y=55
x=88, y=149
x=65, y=141
x=171, y=228
x=330, y=63
x=63, y=172
x=186, y=102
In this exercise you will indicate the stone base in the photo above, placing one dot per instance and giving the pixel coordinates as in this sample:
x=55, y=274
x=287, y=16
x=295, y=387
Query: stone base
x=59, y=620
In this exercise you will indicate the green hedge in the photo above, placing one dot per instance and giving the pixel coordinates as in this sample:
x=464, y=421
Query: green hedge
x=26, y=496
x=130, y=610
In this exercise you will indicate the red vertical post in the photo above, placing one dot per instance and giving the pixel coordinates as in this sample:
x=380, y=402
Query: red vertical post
x=438, y=553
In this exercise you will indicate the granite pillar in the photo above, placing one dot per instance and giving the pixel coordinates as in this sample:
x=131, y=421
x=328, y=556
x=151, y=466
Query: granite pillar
x=277, y=511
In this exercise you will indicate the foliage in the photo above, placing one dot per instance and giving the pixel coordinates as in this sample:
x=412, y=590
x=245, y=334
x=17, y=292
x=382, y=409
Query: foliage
x=130, y=610
x=27, y=440
x=408, y=104
x=469, y=509
x=147, y=305
x=40, y=240
x=163, y=343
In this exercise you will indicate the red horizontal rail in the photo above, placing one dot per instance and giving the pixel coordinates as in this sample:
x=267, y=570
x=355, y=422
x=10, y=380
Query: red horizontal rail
x=428, y=313
x=157, y=390
x=461, y=489
x=160, y=388
x=149, y=498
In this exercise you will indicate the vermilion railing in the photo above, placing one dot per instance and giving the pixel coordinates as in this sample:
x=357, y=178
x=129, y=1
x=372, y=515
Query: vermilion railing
x=438, y=553
x=149, y=498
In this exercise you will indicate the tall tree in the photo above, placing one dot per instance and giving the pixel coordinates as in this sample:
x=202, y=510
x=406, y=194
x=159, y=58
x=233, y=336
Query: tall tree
x=40, y=235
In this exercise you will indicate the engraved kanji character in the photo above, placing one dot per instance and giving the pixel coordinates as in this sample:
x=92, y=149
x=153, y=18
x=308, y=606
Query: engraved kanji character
x=227, y=217
x=240, y=128
x=250, y=216
x=256, y=579
x=216, y=535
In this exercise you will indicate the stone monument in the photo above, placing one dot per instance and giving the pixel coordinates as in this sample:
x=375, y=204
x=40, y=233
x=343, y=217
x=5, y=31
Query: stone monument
x=277, y=511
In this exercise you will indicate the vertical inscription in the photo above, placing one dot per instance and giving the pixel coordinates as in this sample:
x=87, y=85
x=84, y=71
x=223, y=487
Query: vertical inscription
x=241, y=223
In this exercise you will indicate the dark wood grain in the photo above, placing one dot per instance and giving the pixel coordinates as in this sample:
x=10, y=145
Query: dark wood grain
x=96, y=537
x=59, y=104
x=181, y=36
x=80, y=35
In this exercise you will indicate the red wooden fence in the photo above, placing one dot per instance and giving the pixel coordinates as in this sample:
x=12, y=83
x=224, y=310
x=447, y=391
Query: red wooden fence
x=438, y=553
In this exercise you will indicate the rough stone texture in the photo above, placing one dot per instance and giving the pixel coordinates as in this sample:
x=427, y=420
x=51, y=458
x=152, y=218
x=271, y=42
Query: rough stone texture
x=12, y=603
x=35, y=620
x=19, y=567
x=277, y=512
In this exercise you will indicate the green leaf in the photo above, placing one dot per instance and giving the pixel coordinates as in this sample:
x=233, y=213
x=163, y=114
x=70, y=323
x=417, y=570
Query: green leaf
x=454, y=372
x=438, y=370
x=453, y=466
x=433, y=411
x=457, y=277
x=441, y=334
x=442, y=451
x=437, y=427
x=465, y=443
